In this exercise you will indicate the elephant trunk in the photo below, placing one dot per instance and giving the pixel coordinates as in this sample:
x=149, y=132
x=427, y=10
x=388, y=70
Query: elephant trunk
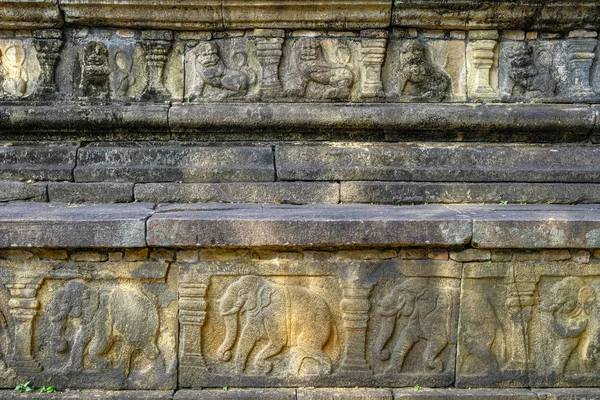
x=385, y=332
x=231, y=327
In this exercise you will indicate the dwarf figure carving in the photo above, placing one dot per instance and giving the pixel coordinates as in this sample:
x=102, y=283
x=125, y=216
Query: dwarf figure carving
x=211, y=71
x=529, y=79
x=14, y=79
x=422, y=80
x=313, y=67
x=95, y=71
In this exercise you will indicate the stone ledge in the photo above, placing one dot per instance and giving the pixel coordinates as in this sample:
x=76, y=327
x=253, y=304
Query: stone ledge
x=552, y=122
x=550, y=15
x=239, y=225
x=230, y=14
x=59, y=225
x=29, y=14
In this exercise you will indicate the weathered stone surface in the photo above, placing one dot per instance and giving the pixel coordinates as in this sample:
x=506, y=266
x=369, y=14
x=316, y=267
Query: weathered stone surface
x=511, y=316
x=576, y=227
x=174, y=164
x=479, y=394
x=278, y=192
x=567, y=394
x=37, y=162
x=67, y=192
x=214, y=14
x=471, y=255
x=346, y=394
x=22, y=191
x=438, y=162
x=533, y=14
x=236, y=394
x=91, y=395
x=69, y=118
x=57, y=225
x=271, y=225
x=303, y=322
x=459, y=192
x=29, y=14
x=395, y=120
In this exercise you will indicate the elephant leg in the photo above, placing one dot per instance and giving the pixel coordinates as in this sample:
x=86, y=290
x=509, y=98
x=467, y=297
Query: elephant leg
x=100, y=344
x=310, y=345
x=246, y=342
x=82, y=338
x=434, y=347
x=272, y=348
x=407, y=339
x=125, y=356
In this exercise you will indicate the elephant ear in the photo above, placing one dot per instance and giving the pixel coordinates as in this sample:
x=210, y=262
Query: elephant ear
x=263, y=299
x=586, y=299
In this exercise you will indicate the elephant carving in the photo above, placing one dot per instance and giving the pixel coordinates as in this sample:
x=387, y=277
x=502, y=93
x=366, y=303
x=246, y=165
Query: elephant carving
x=124, y=317
x=427, y=313
x=571, y=303
x=281, y=315
x=5, y=338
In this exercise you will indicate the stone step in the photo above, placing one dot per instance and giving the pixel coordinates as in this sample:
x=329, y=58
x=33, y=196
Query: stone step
x=213, y=224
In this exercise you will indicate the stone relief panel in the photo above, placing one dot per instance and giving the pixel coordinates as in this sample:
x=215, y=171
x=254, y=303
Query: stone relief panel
x=100, y=65
x=90, y=324
x=218, y=70
x=298, y=323
x=539, y=327
x=315, y=68
x=19, y=68
x=425, y=70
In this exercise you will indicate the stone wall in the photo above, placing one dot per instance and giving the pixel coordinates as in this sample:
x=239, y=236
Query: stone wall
x=209, y=199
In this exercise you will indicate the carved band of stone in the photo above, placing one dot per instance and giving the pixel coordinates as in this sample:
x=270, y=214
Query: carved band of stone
x=192, y=313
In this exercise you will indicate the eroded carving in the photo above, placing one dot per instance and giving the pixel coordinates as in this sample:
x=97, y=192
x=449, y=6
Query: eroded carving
x=13, y=75
x=312, y=67
x=426, y=313
x=530, y=78
x=211, y=72
x=123, y=76
x=95, y=71
x=127, y=317
x=281, y=315
x=422, y=80
x=6, y=374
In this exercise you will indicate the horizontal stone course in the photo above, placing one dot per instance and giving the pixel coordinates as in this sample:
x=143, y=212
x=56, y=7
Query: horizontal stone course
x=102, y=192
x=23, y=162
x=174, y=164
x=438, y=162
x=23, y=191
x=276, y=192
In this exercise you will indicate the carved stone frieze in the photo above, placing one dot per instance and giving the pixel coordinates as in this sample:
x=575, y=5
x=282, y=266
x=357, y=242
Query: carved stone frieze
x=102, y=65
x=258, y=324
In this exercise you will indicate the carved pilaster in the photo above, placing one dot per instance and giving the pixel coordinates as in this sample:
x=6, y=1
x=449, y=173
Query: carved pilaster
x=520, y=300
x=48, y=44
x=355, y=307
x=192, y=312
x=157, y=45
x=373, y=54
x=23, y=307
x=581, y=46
x=483, y=58
x=269, y=43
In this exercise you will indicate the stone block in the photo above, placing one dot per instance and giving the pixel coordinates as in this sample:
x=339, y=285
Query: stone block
x=253, y=328
x=136, y=254
x=437, y=162
x=567, y=394
x=22, y=191
x=450, y=394
x=468, y=192
x=558, y=227
x=29, y=14
x=256, y=192
x=511, y=316
x=37, y=162
x=346, y=394
x=90, y=324
x=51, y=254
x=89, y=256
x=236, y=394
x=280, y=225
x=471, y=255
x=556, y=255
x=58, y=225
x=92, y=395
x=581, y=256
x=67, y=192
x=174, y=164
x=405, y=121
